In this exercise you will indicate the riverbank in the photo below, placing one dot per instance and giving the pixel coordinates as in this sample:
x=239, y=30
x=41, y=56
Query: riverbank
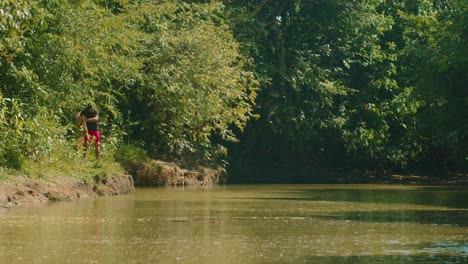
x=281, y=175
x=19, y=190
x=161, y=173
x=22, y=189
x=62, y=179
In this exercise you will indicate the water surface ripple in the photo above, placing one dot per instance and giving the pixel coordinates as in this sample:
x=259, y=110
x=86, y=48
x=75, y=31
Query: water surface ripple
x=245, y=224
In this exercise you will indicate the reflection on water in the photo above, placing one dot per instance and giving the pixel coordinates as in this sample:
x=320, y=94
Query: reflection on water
x=245, y=224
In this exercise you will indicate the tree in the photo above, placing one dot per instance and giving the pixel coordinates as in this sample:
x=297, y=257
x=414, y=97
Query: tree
x=340, y=82
x=195, y=88
x=435, y=62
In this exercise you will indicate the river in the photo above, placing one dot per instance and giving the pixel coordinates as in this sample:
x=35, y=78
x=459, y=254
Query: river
x=245, y=224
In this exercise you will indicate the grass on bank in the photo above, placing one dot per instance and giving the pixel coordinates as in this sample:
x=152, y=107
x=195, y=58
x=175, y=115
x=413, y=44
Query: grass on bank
x=69, y=164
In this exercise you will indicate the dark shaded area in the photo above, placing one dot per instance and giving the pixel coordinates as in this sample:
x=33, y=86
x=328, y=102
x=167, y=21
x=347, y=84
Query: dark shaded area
x=432, y=217
x=257, y=171
x=446, y=197
x=385, y=113
x=435, y=259
x=254, y=170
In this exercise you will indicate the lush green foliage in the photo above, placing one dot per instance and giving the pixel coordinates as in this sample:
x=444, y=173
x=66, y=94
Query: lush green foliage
x=342, y=83
x=168, y=74
x=194, y=82
x=355, y=84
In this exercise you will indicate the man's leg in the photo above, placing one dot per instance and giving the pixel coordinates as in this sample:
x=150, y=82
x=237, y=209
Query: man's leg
x=98, y=150
x=85, y=148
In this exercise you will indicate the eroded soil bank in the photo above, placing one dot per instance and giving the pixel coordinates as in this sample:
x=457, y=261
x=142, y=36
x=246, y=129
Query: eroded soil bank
x=160, y=173
x=21, y=190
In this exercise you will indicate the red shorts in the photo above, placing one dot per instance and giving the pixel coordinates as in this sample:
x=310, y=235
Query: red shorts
x=95, y=134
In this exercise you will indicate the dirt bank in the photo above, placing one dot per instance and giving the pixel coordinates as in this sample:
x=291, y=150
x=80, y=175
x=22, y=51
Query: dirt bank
x=21, y=190
x=160, y=173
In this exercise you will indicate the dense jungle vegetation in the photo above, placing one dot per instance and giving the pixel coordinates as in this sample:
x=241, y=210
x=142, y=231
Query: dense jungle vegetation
x=264, y=87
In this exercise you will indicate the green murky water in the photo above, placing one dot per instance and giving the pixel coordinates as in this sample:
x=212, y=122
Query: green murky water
x=245, y=224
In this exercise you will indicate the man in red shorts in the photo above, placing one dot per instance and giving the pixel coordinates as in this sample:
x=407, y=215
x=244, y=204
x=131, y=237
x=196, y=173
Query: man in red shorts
x=91, y=117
